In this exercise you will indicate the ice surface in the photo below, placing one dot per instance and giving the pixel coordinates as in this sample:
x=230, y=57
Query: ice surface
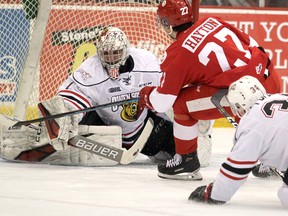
x=135, y=189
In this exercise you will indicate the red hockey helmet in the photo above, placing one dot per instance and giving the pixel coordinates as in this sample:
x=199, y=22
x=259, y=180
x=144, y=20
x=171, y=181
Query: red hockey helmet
x=174, y=12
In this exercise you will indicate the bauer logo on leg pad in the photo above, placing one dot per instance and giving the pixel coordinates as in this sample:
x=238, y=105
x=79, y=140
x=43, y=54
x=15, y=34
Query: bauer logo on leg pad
x=93, y=147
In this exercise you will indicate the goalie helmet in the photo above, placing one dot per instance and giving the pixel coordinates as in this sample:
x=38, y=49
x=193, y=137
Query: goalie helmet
x=243, y=94
x=112, y=47
x=174, y=12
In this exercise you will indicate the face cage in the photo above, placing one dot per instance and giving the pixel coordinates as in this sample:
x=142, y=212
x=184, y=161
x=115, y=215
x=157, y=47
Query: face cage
x=112, y=60
x=236, y=109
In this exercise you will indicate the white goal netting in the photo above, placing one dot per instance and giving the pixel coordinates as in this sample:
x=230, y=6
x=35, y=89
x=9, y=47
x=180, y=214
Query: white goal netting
x=37, y=53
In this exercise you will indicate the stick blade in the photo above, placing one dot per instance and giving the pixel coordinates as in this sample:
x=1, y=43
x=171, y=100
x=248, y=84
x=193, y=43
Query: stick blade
x=7, y=121
x=131, y=154
x=215, y=99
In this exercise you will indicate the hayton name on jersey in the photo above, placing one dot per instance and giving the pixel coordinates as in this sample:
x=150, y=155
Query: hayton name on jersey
x=199, y=34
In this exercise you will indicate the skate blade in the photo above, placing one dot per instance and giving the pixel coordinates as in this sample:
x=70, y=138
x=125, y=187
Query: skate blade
x=193, y=176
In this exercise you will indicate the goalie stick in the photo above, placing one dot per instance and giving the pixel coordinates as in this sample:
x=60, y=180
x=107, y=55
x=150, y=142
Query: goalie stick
x=121, y=155
x=13, y=122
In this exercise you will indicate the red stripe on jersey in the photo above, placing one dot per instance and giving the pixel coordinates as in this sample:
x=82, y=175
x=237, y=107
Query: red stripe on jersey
x=232, y=177
x=78, y=95
x=241, y=162
x=75, y=104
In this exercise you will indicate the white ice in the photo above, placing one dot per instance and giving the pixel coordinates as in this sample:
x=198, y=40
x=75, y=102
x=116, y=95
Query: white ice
x=135, y=189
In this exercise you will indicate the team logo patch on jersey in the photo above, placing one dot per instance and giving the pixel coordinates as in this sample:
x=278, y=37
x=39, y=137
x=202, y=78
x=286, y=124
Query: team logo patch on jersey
x=129, y=112
x=114, y=89
x=127, y=80
x=85, y=75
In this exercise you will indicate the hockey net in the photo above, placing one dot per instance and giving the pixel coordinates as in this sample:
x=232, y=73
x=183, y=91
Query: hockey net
x=37, y=53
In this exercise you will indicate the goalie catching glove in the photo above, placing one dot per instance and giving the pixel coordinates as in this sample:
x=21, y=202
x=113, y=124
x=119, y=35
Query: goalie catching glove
x=203, y=194
x=59, y=130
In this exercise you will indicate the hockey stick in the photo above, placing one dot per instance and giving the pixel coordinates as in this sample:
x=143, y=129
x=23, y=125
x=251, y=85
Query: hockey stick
x=121, y=155
x=215, y=99
x=12, y=122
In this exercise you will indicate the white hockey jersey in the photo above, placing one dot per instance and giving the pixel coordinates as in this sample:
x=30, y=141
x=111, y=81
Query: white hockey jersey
x=262, y=135
x=90, y=85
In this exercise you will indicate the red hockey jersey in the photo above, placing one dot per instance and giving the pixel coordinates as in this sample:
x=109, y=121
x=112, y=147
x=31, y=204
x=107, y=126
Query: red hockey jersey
x=211, y=52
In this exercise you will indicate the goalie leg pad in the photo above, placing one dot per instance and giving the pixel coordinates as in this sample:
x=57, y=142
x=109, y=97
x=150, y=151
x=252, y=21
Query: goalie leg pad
x=204, y=149
x=204, y=140
x=206, y=126
x=19, y=143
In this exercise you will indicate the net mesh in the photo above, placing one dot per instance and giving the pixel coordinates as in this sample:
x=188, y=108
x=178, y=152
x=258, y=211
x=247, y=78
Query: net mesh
x=69, y=39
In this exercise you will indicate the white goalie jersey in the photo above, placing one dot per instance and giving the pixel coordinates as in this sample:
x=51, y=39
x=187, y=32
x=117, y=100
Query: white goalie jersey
x=90, y=85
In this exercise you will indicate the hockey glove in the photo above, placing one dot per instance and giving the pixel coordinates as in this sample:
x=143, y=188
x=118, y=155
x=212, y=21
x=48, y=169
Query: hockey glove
x=144, y=101
x=203, y=194
x=61, y=129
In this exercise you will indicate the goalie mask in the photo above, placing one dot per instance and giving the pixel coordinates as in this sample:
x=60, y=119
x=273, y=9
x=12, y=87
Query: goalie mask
x=171, y=13
x=112, y=47
x=243, y=94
